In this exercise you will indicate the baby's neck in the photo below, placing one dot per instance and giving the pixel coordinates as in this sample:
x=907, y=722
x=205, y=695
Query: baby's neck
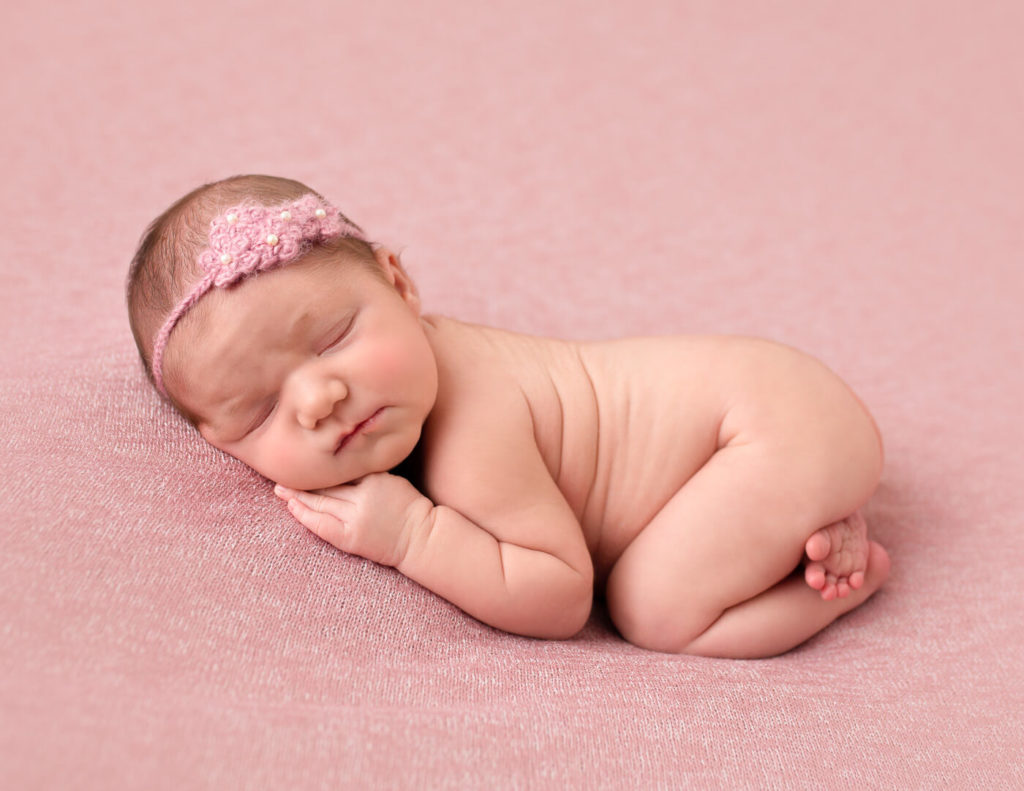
x=411, y=467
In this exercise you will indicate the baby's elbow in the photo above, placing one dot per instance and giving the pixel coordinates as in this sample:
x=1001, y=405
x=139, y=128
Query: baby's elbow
x=544, y=595
x=565, y=613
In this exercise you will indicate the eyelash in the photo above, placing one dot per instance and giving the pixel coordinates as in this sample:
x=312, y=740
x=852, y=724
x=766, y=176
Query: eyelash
x=346, y=328
x=262, y=418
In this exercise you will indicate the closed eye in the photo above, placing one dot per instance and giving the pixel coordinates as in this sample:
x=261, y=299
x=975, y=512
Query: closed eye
x=339, y=334
x=262, y=417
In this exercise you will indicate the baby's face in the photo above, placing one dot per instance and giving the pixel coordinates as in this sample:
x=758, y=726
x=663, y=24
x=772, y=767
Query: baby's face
x=314, y=374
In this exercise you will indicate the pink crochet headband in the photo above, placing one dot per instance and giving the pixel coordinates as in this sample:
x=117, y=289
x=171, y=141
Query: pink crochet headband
x=249, y=239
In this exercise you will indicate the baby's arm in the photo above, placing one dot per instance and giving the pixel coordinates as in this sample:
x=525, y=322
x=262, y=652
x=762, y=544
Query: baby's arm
x=519, y=583
x=512, y=555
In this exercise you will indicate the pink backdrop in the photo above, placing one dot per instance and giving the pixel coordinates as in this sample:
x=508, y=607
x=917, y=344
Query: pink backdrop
x=844, y=177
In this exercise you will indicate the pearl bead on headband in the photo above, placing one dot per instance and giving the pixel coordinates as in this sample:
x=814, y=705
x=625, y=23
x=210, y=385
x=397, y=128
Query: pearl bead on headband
x=249, y=239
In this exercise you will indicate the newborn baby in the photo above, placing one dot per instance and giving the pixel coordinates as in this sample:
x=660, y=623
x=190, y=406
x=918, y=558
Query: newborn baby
x=708, y=487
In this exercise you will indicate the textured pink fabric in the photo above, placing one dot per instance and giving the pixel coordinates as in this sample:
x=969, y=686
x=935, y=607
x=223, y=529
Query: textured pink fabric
x=845, y=177
x=246, y=240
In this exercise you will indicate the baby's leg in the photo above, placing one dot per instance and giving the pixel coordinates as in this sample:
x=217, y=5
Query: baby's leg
x=699, y=577
x=784, y=616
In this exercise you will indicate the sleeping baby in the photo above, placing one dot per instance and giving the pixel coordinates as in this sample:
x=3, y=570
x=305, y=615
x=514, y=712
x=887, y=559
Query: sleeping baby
x=707, y=487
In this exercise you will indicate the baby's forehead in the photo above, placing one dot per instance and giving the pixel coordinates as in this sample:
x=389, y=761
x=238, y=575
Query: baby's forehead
x=282, y=288
x=267, y=305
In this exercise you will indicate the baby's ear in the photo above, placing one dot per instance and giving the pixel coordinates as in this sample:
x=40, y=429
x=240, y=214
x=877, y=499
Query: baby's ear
x=395, y=273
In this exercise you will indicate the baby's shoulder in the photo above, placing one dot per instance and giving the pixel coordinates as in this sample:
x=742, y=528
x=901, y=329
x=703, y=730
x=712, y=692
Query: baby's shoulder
x=478, y=364
x=479, y=371
x=482, y=421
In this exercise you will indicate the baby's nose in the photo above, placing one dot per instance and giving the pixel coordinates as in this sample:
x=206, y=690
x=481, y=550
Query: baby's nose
x=318, y=401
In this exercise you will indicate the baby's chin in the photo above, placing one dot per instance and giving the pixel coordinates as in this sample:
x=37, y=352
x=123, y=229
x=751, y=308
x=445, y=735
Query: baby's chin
x=312, y=482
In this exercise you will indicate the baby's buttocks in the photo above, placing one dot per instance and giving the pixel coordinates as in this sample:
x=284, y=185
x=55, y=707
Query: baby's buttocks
x=664, y=406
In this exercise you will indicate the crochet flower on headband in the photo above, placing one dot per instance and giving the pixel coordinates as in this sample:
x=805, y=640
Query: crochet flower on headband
x=249, y=239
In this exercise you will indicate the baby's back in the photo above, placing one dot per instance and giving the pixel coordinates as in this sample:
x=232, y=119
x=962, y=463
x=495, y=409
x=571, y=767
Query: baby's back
x=622, y=424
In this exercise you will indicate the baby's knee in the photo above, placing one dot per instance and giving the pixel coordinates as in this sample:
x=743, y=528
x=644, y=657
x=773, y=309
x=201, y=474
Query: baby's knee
x=651, y=619
x=648, y=630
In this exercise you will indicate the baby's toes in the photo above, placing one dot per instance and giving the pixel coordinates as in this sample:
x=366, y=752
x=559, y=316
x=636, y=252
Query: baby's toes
x=857, y=580
x=814, y=575
x=819, y=545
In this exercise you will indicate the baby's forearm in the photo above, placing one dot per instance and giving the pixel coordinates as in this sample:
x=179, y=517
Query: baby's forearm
x=511, y=587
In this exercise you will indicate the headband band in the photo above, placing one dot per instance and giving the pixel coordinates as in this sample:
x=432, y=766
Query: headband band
x=249, y=239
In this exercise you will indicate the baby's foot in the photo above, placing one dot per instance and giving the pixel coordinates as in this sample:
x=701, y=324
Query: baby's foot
x=837, y=556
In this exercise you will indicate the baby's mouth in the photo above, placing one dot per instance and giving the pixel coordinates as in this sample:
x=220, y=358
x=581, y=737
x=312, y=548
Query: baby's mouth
x=345, y=438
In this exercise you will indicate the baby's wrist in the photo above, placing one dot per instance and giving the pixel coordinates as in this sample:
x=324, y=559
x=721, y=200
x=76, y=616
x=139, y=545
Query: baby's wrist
x=417, y=524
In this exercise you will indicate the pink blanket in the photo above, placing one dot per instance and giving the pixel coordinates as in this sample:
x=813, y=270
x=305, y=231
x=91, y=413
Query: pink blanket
x=843, y=177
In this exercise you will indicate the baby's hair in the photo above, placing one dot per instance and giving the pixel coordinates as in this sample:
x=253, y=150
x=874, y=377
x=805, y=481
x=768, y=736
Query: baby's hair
x=166, y=264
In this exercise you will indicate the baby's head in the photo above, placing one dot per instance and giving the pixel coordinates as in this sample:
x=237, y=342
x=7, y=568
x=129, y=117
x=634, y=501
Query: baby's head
x=268, y=320
x=166, y=267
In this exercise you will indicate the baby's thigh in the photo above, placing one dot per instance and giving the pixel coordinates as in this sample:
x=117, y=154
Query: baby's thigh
x=734, y=529
x=797, y=451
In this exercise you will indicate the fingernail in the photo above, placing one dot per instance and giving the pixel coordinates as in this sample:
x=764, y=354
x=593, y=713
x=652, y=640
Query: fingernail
x=279, y=490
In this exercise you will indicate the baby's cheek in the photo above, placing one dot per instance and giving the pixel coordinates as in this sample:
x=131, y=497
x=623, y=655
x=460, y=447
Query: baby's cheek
x=281, y=461
x=392, y=362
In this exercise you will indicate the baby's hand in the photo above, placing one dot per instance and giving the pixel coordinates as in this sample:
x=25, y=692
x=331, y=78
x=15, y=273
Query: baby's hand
x=373, y=517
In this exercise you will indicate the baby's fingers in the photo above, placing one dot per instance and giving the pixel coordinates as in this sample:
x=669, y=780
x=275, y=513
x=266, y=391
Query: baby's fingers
x=284, y=492
x=306, y=508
